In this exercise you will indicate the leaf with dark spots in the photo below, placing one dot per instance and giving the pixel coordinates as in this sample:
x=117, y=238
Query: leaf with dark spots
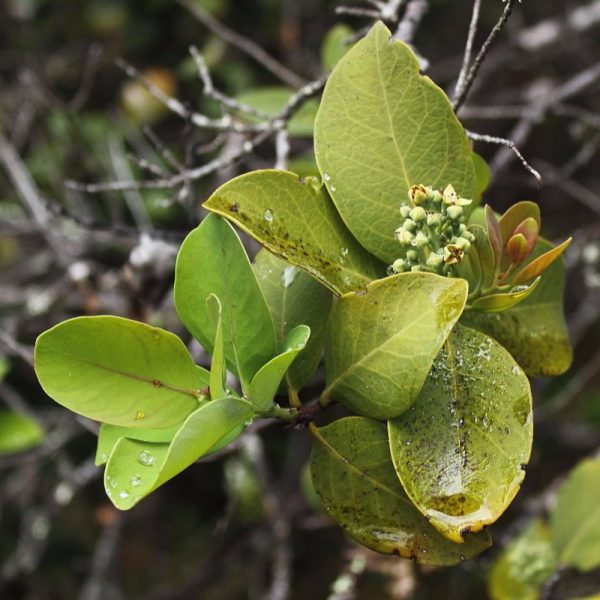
x=352, y=472
x=458, y=452
x=297, y=221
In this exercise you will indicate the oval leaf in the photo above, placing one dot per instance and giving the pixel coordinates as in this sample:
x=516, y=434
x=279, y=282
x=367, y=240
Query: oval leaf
x=212, y=260
x=295, y=298
x=500, y=302
x=109, y=435
x=534, y=331
x=296, y=220
x=265, y=384
x=459, y=451
x=136, y=468
x=575, y=522
x=381, y=128
x=381, y=344
x=354, y=476
x=18, y=432
x=119, y=371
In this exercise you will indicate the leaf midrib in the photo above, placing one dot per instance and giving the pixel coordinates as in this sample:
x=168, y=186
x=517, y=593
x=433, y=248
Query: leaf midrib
x=170, y=386
x=346, y=373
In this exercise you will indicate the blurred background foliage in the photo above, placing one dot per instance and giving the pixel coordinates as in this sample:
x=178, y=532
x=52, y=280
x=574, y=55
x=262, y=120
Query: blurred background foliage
x=71, y=114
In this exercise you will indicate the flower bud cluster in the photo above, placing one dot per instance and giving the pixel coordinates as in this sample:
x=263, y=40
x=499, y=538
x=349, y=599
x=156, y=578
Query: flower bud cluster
x=433, y=235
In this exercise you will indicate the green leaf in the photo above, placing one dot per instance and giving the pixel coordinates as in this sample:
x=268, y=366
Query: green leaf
x=119, y=371
x=381, y=128
x=212, y=260
x=335, y=45
x=381, y=344
x=478, y=267
x=575, y=521
x=483, y=176
x=295, y=298
x=500, y=302
x=459, y=451
x=296, y=220
x=217, y=366
x=18, y=432
x=109, y=435
x=136, y=468
x=354, y=476
x=271, y=100
x=534, y=331
x=540, y=264
x=524, y=565
x=266, y=382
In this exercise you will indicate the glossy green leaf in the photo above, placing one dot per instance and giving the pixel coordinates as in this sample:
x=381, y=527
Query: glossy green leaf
x=271, y=100
x=354, y=476
x=381, y=128
x=119, y=371
x=335, y=45
x=295, y=298
x=575, y=521
x=18, y=432
x=296, y=220
x=524, y=565
x=500, y=302
x=534, y=331
x=381, y=344
x=217, y=367
x=265, y=384
x=109, y=435
x=483, y=176
x=478, y=267
x=212, y=260
x=459, y=451
x=136, y=468
x=540, y=264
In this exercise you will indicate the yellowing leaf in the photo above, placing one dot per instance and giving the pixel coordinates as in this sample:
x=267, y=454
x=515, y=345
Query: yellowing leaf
x=459, y=450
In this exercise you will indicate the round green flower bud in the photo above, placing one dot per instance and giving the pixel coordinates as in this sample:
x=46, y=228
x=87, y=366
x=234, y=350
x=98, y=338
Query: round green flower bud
x=409, y=225
x=418, y=214
x=433, y=219
x=399, y=265
x=412, y=255
x=454, y=212
x=462, y=228
x=462, y=243
x=405, y=237
x=405, y=210
x=416, y=268
x=434, y=260
x=421, y=239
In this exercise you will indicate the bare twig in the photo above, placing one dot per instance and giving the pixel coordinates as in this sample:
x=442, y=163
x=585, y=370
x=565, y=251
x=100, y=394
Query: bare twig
x=474, y=69
x=460, y=83
x=478, y=137
x=244, y=44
